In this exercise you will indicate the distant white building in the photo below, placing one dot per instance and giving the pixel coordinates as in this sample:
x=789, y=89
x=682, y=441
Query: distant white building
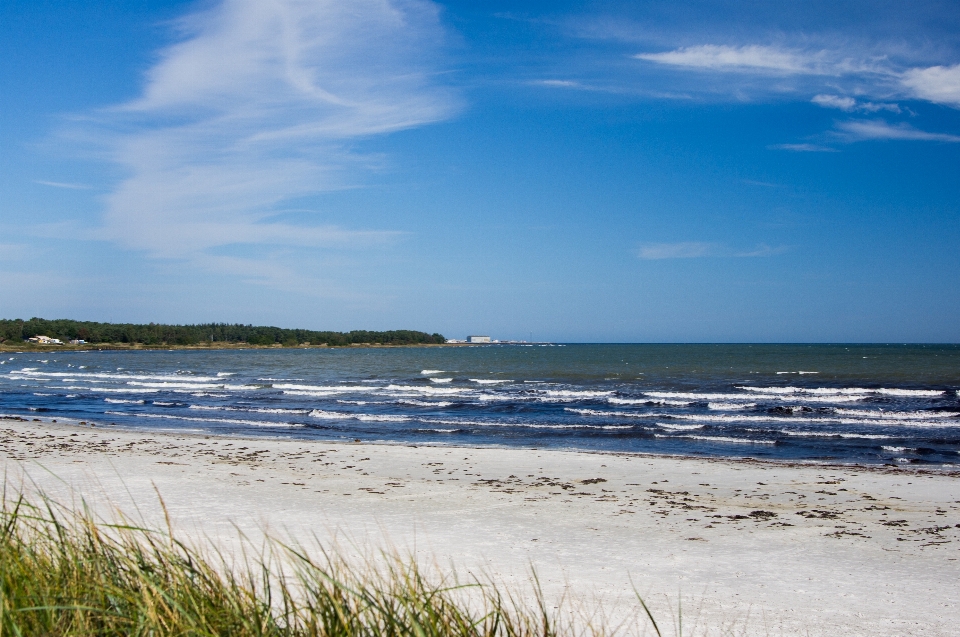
x=479, y=339
x=45, y=340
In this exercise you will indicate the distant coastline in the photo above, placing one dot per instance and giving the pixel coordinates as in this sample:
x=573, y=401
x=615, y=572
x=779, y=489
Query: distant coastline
x=205, y=346
x=61, y=334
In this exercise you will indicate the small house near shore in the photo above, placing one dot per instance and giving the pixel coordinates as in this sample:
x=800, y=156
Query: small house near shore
x=44, y=340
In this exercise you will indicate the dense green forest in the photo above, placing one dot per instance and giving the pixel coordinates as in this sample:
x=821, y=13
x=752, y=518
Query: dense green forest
x=16, y=331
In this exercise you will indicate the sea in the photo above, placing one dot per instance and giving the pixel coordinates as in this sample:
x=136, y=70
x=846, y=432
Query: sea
x=857, y=404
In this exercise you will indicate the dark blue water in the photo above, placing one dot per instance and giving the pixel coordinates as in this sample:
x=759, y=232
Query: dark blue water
x=835, y=403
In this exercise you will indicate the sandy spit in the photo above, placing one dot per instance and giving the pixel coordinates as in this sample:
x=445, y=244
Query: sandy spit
x=751, y=548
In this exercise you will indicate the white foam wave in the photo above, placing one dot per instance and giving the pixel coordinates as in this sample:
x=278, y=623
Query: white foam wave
x=231, y=421
x=896, y=449
x=944, y=424
x=613, y=400
x=342, y=415
x=525, y=425
x=123, y=400
x=433, y=391
x=425, y=403
x=255, y=410
x=679, y=427
x=325, y=389
x=747, y=418
x=114, y=390
x=727, y=397
x=910, y=392
x=742, y=441
x=489, y=381
x=31, y=371
x=188, y=386
x=441, y=380
x=832, y=434
x=897, y=415
x=512, y=397
x=566, y=393
x=604, y=413
x=428, y=372
x=842, y=391
x=696, y=395
x=730, y=406
x=221, y=374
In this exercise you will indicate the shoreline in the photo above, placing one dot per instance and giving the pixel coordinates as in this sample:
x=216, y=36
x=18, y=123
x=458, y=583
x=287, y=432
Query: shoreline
x=832, y=550
x=886, y=468
x=139, y=347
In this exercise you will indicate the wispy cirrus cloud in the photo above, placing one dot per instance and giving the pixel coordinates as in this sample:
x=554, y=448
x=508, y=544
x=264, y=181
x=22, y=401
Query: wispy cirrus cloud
x=862, y=72
x=878, y=129
x=258, y=105
x=804, y=148
x=751, y=58
x=697, y=249
x=849, y=104
x=61, y=184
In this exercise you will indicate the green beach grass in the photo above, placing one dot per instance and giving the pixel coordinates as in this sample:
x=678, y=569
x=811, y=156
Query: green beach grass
x=63, y=572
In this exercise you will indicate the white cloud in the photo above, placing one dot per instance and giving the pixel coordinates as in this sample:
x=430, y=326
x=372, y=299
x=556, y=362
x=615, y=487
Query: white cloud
x=60, y=184
x=558, y=83
x=939, y=84
x=835, y=101
x=681, y=250
x=848, y=104
x=256, y=106
x=754, y=58
x=696, y=249
x=804, y=148
x=860, y=130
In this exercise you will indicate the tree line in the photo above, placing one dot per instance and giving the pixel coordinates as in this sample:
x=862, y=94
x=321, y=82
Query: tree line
x=18, y=330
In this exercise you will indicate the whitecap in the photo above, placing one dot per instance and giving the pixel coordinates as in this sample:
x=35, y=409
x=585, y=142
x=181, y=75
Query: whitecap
x=441, y=380
x=428, y=372
x=597, y=412
x=31, y=371
x=324, y=389
x=341, y=415
x=231, y=421
x=743, y=441
x=489, y=381
x=436, y=391
x=256, y=410
x=680, y=427
x=896, y=415
x=123, y=400
x=563, y=393
x=730, y=406
x=424, y=403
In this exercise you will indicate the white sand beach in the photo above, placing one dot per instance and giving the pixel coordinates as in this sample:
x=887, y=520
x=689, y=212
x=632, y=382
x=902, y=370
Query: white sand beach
x=751, y=548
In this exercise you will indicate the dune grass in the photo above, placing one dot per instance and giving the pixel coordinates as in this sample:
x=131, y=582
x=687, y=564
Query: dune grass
x=62, y=572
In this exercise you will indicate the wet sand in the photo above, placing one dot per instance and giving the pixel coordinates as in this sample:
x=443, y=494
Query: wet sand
x=752, y=548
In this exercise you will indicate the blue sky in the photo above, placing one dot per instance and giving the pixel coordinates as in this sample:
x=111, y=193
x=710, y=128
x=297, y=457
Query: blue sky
x=593, y=171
